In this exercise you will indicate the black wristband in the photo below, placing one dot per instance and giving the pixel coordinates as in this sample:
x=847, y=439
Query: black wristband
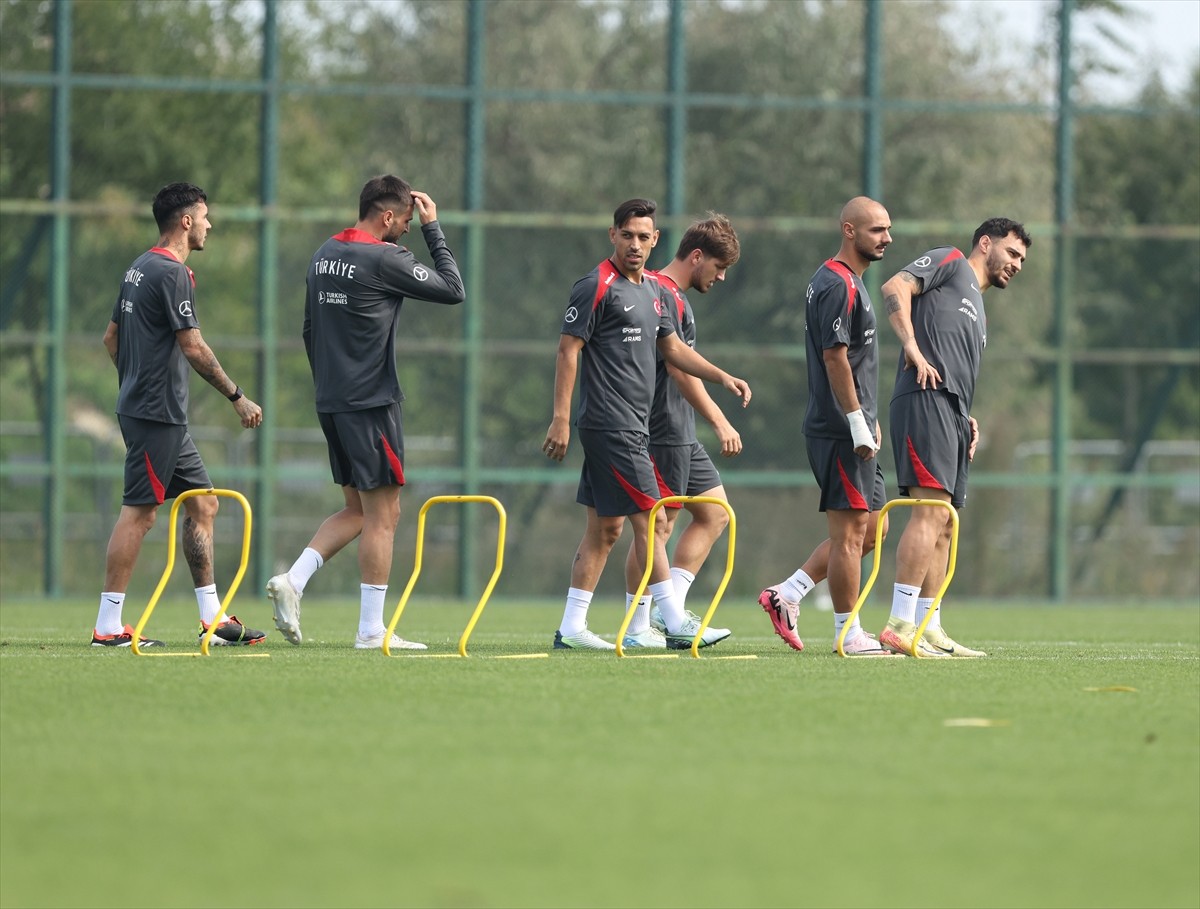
x=236, y=395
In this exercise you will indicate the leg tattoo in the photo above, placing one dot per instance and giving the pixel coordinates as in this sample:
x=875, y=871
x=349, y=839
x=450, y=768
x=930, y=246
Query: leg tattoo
x=198, y=550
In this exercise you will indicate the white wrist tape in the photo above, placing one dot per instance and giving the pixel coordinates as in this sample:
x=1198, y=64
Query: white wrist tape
x=860, y=433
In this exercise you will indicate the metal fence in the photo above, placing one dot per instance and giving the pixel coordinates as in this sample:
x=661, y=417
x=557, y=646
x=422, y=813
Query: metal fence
x=1052, y=519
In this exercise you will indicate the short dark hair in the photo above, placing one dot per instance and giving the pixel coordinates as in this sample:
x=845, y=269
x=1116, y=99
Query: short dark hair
x=715, y=237
x=384, y=192
x=173, y=199
x=634, y=208
x=999, y=228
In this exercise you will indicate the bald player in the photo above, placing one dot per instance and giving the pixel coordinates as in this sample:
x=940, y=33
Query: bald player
x=841, y=428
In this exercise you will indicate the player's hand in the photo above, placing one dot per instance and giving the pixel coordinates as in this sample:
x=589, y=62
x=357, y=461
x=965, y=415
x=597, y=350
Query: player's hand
x=557, y=438
x=249, y=412
x=974, y=438
x=426, y=210
x=730, y=439
x=739, y=387
x=914, y=359
x=866, y=441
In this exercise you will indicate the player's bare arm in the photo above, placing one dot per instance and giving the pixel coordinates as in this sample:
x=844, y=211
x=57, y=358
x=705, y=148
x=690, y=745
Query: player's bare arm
x=697, y=395
x=205, y=362
x=566, y=364
x=898, y=293
x=974, y=438
x=685, y=359
x=112, y=341
x=841, y=382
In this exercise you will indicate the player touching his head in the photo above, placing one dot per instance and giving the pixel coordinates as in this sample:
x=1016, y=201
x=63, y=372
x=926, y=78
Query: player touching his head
x=357, y=283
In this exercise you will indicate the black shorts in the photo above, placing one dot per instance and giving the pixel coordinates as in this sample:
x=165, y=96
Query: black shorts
x=848, y=483
x=366, y=447
x=687, y=470
x=931, y=440
x=618, y=476
x=161, y=461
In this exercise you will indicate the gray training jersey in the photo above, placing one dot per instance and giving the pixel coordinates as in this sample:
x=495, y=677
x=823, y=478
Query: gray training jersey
x=838, y=312
x=620, y=323
x=356, y=286
x=672, y=418
x=949, y=325
x=157, y=299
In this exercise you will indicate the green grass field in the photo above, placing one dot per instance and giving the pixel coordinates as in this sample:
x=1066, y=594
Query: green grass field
x=325, y=776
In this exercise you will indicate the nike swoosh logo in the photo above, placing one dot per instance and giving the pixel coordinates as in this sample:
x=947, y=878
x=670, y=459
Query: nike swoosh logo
x=783, y=614
x=627, y=308
x=111, y=600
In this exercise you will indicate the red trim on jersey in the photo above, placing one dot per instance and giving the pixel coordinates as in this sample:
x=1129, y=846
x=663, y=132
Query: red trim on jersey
x=924, y=478
x=673, y=287
x=608, y=274
x=163, y=251
x=950, y=257
x=857, y=502
x=397, y=468
x=160, y=494
x=354, y=235
x=842, y=270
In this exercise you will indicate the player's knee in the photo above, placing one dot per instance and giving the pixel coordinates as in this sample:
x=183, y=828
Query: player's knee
x=609, y=534
x=203, y=509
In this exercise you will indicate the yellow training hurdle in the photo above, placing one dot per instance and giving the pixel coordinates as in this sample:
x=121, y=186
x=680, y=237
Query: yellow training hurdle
x=162, y=582
x=712, y=607
x=937, y=603
x=487, y=592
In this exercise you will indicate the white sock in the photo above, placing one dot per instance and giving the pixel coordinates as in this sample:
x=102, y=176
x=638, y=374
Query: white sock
x=839, y=620
x=795, y=587
x=664, y=595
x=209, y=603
x=574, y=618
x=641, y=616
x=924, y=604
x=108, y=619
x=304, y=568
x=370, y=610
x=904, y=602
x=682, y=580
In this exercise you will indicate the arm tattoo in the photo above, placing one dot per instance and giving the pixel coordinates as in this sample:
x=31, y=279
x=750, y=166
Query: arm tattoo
x=910, y=278
x=208, y=368
x=893, y=303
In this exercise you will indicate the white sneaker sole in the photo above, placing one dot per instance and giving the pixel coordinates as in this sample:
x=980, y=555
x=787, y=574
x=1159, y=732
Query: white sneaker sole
x=287, y=620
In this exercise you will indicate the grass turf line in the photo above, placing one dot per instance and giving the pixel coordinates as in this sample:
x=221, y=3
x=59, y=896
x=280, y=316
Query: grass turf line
x=326, y=776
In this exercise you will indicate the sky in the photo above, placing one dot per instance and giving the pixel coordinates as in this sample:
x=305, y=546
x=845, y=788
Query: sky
x=1163, y=33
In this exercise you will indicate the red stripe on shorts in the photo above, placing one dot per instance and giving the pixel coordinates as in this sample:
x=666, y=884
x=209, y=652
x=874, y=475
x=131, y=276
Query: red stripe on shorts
x=643, y=501
x=160, y=494
x=924, y=478
x=397, y=469
x=663, y=489
x=857, y=502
